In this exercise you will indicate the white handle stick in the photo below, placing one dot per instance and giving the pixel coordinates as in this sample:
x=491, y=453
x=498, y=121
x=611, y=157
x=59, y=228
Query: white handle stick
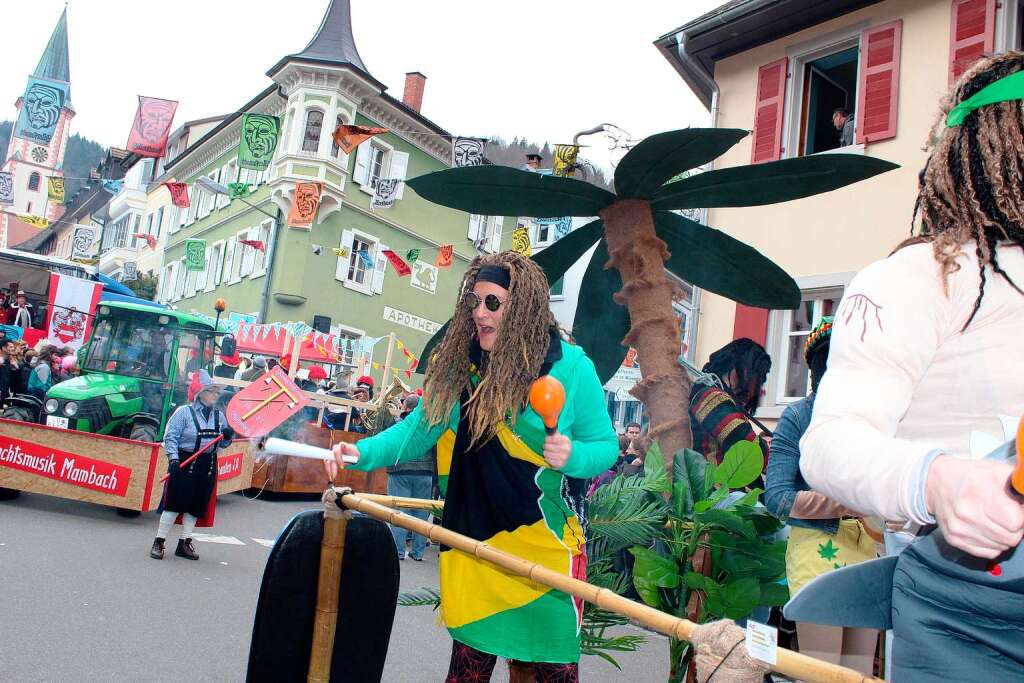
x=276, y=446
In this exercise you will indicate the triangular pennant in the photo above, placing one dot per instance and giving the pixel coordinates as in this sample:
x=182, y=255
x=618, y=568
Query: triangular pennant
x=348, y=137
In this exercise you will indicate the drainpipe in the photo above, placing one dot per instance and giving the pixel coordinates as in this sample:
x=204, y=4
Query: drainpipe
x=271, y=254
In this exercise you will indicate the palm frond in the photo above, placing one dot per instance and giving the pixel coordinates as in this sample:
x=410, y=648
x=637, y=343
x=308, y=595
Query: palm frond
x=420, y=597
x=625, y=514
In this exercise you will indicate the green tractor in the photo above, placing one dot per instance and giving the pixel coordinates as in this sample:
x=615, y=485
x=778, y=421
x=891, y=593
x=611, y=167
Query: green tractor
x=135, y=372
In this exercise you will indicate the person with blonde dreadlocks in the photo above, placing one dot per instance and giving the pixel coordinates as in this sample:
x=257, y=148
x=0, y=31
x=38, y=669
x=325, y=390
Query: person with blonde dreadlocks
x=506, y=482
x=925, y=351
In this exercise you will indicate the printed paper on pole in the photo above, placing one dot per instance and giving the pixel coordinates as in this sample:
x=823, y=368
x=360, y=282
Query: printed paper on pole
x=521, y=241
x=71, y=301
x=40, y=109
x=304, y=205
x=424, y=277
x=195, y=254
x=565, y=159
x=55, y=189
x=258, y=141
x=467, y=152
x=445, y=256
x=34, y=221
x=384, y=193
x=6, y=188
x=129, y=271
x=153, y=118
x=82, y=240
x=179, y=194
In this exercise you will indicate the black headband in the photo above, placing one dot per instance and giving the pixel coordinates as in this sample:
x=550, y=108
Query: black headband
x=496, y=274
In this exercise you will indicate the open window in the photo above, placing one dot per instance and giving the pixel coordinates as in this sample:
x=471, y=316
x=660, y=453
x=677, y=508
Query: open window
x=830, y=85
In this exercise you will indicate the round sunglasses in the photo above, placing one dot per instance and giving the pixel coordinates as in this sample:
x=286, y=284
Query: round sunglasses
x=472, y=300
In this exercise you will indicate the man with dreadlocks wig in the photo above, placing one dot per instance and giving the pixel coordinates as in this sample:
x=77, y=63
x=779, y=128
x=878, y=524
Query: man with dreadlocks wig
x=506, y=482
x=926, y=350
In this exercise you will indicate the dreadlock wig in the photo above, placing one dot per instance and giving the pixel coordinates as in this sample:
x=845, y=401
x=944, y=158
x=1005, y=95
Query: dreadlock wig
x=510, y=367
x=972, y=187
x=751, y=363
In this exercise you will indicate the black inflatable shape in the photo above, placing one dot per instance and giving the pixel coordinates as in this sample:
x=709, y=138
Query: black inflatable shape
x=282, y=633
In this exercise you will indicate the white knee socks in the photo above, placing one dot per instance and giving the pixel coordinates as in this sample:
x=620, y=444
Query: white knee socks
x=167, y=519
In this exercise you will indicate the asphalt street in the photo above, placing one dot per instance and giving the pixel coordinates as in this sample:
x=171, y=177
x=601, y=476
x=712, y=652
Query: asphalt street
x=80, y=599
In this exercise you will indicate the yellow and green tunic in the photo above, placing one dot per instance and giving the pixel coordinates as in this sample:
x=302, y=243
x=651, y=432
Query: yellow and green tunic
x=504, y=493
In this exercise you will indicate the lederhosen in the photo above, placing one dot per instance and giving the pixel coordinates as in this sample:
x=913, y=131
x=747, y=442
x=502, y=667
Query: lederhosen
x=190, y=489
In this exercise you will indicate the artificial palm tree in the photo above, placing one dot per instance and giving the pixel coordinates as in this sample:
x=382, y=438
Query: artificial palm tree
x=638, y=237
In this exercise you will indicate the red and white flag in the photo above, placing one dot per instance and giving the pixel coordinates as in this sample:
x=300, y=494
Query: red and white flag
x=72, y=305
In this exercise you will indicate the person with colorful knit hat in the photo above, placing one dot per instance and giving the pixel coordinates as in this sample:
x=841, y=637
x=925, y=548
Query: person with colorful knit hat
x=824, y=535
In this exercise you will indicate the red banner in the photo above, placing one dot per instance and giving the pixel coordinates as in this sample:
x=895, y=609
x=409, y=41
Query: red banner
x=77, y=470
x=349, y=137
x=401, y=266
x=72, y=304
x=152, y=124
x=229, y=466
x=304, y=205
x=179, y=194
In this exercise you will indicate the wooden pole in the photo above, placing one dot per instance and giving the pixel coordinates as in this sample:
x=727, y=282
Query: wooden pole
x=400, y=502
x=790, y=663
x=387, y=362
x=325, y=620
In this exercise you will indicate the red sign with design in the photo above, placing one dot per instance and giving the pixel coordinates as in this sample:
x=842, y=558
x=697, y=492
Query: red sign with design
x=229, y=466
x=77, y=470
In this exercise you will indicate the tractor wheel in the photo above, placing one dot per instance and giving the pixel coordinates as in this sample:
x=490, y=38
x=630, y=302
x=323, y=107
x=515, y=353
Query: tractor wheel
x=19, y=413
x=143, y=432
x=9, y=494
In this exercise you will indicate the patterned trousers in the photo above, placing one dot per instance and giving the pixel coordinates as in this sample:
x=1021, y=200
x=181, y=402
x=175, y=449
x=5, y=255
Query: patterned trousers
x=472, y=666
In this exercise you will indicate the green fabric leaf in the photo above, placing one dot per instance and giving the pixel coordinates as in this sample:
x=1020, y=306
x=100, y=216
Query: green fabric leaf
x=600, y=322
x=738, y=564
x=660, y=157
x=687, y=481
x=769, y=183
x=765, y=522
x=428, y=348
x=655, y=474
x=710, y=472
x=741, y=465
x=624, y=514
x=697, y=582
x=714, y=261
x=560, y=256
x=726, y=520
x=503, y=191
x=657, y=569
x=774, y=594
x=740, y=597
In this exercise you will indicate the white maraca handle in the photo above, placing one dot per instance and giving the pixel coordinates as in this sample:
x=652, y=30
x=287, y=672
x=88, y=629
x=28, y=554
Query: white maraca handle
x=276, y=446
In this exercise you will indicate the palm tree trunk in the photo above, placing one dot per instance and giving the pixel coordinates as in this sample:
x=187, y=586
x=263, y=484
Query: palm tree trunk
x=639, y=255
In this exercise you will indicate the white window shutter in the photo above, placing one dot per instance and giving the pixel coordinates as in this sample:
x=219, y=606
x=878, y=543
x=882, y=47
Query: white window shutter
x=495, y=245
x=218, y=265
x=474, y=227
x=204, y=273
x=380, y=270
x=361, y=170
x=399, y=167
x=229, y=258
x=341, y=270
x=249, y=254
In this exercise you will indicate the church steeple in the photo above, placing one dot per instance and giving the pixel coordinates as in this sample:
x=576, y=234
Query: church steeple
x=334, y=41
x=54, y=63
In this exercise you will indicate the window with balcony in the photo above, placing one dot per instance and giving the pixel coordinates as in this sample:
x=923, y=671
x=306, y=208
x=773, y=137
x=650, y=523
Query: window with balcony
x=311, y=133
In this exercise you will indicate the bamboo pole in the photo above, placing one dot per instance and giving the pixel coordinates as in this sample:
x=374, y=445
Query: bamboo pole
x=401, y=502
x=387, y=363
x=325, y=619
x=790, y=663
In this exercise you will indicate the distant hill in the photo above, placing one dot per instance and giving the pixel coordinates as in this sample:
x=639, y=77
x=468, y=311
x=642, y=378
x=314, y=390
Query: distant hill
x=513, y=154
x=82, y=155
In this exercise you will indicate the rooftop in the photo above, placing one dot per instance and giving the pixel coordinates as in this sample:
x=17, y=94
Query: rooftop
x=53, y=64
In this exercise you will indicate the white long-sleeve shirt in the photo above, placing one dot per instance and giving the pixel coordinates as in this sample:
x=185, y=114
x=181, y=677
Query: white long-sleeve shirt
x=904, y=382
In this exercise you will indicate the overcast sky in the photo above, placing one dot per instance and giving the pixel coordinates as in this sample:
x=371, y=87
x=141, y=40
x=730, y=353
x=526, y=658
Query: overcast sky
x=540, y=69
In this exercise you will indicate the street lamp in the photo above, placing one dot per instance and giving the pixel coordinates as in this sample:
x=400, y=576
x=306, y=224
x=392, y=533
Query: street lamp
x=217, y=188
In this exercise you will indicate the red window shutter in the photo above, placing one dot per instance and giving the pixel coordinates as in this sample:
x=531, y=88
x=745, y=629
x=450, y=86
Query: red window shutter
x=972, y=34
x=771, y=96
x=878, y=86
x=751, y=323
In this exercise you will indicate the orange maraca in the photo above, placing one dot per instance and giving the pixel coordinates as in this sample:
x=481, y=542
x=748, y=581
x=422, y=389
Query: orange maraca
x=1016, y=484
x=547, y=398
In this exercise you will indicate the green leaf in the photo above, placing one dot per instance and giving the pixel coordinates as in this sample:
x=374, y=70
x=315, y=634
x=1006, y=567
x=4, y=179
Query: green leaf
x=738, y=564
x=716, y=497
x=769, y=183
x=662, y=156
x=655, y=474
x=750, y=498
x=503, y=191
x=710, y=471
x=625, y=514
x=601, y=323
x=695, y=581
x=712, y=260
x=741, y=465
x=774, y=594
x=560, y=256
x=420, y=597
x=657, y=569
x=728, y=521
x=687, y=481
x=428, y=348
x=740, y=597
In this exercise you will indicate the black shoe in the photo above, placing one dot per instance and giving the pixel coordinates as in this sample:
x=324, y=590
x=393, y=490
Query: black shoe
x=157, y=551
x=186, y=549
x=416, y=559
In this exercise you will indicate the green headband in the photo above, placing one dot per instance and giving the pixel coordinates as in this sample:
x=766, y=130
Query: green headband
x=1007, y=88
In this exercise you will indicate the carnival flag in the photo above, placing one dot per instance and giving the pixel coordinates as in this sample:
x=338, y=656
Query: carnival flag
x=412, y=255
x=521, y=241
x=34, y=221
x=129, y=271
x=179, y=194
x=401, y=266
x=467, y=152
x=195, y=254
x=340, y=252
x=304, y=205
x=82, y=241
x=255, y=244
x=55, y=189
x=561, y=226
x=258, y=141
x=365, y=257
x=148, y=137
x=347, y=137
x=6, y=188
x=444, y=256
x=385, y=193
x=112, y=186
x=71, y=299
x=238, y=190
x=150, y=239
x=565, y=159
x=40, y=109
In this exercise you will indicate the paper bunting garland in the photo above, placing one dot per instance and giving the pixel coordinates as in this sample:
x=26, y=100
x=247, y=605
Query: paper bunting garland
x=304, y=205
x=521, y=241
x=82, y=241
x=112, y=186
x=565, y=159
x=6, y=188
x=347, y=137
x=238, y=190
x=561, y=226
x=401, y=266
x=445, y=256
x=364, y=256
x=34, y=221
x=412, y=255
x=40, y=109
x=150, y=239
x=467, y=152
x=255, y=244
x=148, y=137
x=195, y=254
x=258, y=141
x=179, y=194
x=385, y=192
x=55, y=189
x=340, y=252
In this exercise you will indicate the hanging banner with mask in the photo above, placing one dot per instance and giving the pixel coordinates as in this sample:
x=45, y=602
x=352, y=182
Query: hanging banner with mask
x=55, y=189
x=445, y=256
x=195, y=254
x=412, y=255
x=401, y=266
x=6, y=188
x=347, y=137
x=238, y=190
x=40, y=109
x=179, y=194
x=304, y=205
x=34, y=221
x=384, y=193
x=258, y=141
x=82, y=241
x=561, y=226
x=565, y=159
x=521, y=241
x=467, y=152
x=129, y=271
x=153, y=119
